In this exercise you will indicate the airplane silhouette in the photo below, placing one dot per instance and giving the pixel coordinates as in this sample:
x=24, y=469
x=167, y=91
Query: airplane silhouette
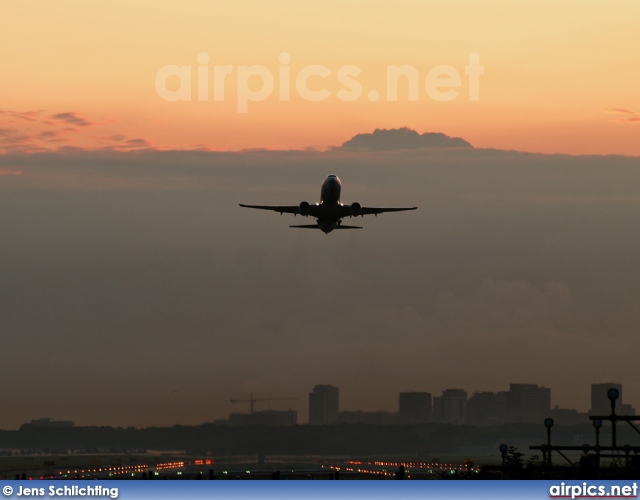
x=329, y=212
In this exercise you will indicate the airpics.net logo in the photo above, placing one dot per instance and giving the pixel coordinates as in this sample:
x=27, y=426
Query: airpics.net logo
x=257, y=83
x=586, y=490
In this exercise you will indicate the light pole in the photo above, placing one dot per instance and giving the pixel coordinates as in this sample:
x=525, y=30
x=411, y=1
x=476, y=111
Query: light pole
x=613, y=394
x=548, y=423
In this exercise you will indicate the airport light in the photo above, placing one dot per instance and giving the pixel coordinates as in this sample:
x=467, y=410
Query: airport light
x=503, y=449
x=548, y=423
x=613, y=394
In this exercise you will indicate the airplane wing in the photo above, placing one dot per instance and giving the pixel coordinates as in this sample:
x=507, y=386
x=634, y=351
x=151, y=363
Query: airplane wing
x=312, y=210
x=374, y=210
x=291, y=209
x=283, y=210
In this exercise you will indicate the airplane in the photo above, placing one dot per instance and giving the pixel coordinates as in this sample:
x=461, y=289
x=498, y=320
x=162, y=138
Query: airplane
x=329, y=212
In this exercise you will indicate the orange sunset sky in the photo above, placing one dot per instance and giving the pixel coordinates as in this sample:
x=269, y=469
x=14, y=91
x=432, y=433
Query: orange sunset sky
x=558, y=77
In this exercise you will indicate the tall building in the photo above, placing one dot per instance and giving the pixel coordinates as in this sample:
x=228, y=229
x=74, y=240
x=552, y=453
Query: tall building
x=323, y=405
x=487, y=408
x=415, y=408
x=528, y=403
x=451, y=407
x=564, y=416
x=601, y=404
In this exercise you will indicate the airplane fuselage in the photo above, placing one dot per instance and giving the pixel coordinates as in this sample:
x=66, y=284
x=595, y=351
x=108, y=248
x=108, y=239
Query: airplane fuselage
x=330, y=209
x=330, y=191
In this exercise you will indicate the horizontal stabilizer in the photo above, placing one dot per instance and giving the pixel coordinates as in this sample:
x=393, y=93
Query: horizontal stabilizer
x=316, y=226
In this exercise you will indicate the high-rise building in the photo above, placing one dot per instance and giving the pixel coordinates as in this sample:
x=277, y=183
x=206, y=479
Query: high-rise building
x=565, y=416
x=451, y=407
x=601, y=404
x=502, y=406
x=528, y=403
x=323, y=405
x=415, y=408
x=487, y=408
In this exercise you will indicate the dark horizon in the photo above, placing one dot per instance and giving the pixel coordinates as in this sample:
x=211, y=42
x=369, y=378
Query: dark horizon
x=245, y=407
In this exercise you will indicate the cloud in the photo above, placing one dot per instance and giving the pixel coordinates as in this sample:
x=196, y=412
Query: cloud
x=72, y=118
x=629, y=116
x=16, y=141
x=30, y=132
x=52, y=136
x=401, y=138
x=120, y=142
x=6, y=133
x=23, y=115
x=37, y=131
x=117, y=137
x=621, y=110
x=138, y=143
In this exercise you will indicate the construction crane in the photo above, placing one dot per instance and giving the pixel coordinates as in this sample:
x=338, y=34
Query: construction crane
x=253, y=400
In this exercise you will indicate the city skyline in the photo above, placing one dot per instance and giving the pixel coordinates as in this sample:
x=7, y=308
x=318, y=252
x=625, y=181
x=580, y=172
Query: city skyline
x=522, y=403
x=419, y=407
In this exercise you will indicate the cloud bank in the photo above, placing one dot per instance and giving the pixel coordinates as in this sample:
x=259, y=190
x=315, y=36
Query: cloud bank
x=133, y=282
x=402, y=138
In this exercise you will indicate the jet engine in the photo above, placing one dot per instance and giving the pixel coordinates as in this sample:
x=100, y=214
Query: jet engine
x=356, y=209
x=304, y=208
